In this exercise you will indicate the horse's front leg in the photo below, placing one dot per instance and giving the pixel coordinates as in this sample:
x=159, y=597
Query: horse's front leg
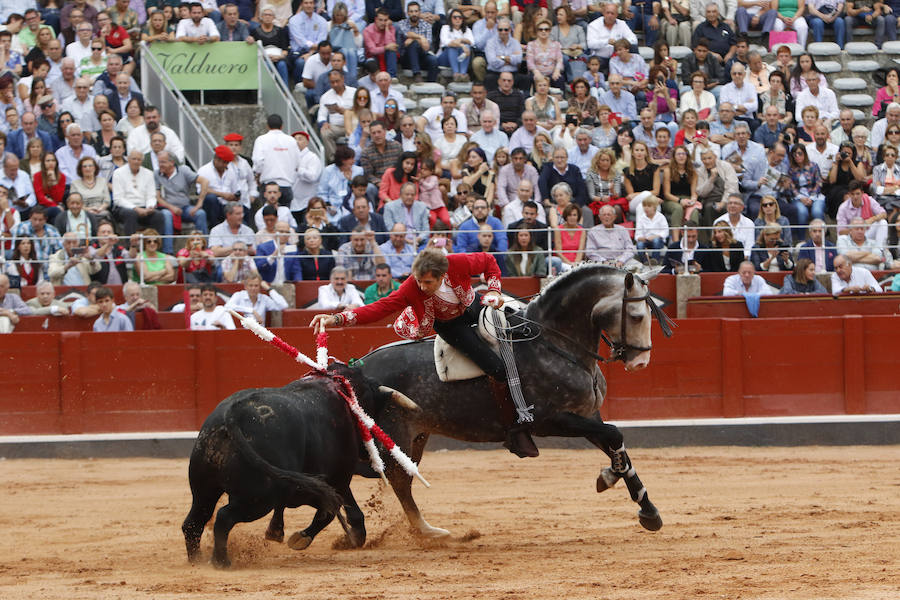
x=609, y=439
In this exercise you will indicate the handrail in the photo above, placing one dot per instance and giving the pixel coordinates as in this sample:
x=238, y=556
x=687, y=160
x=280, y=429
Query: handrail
x=198, y=141
x=276, y=98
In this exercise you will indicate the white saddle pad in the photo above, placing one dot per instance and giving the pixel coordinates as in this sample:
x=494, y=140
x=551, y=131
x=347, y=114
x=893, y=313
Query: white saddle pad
x=453, y=365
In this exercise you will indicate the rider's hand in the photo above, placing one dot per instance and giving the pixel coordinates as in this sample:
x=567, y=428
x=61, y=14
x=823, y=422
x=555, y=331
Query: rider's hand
x=492, y=299
x=319, y=322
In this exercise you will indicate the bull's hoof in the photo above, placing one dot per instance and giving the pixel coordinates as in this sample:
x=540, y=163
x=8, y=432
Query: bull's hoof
x=650, y=522
x=606, y=479
x=274, y=536
x=299, y=541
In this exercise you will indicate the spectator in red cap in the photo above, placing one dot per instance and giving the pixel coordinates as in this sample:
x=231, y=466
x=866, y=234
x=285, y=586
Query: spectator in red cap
x=223, y=186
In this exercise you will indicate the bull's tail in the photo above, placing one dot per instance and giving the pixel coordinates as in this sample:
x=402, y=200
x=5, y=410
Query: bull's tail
x=321, y=494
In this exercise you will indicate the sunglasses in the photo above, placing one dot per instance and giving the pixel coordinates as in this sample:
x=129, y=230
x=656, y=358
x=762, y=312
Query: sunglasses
x=543, y=29
x=503, y=29
x=95, y=49
x=893, y=131
x=768, y=204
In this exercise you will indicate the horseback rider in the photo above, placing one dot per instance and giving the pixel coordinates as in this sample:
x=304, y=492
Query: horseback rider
x=438, y=297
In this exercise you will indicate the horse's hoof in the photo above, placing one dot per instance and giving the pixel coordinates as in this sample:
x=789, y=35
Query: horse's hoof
x=433, y=532
x=223, y=563
x=650, y=522
x=274, y=536
x=299, y=541
x=606, y=479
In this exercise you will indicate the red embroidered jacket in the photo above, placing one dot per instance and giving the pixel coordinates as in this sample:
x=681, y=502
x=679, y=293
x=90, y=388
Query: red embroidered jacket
x=420, y=311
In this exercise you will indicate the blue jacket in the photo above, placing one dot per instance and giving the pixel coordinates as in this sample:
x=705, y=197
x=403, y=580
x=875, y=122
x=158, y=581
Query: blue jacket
x=15, y=142
x=467, y=236
x=115, y=105
x=376, y=222
x=808, y=251
x=267, y=271
x=550, y=176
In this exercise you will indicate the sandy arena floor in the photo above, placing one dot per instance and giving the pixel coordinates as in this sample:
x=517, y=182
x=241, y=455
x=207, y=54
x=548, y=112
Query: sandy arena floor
x=740, y=523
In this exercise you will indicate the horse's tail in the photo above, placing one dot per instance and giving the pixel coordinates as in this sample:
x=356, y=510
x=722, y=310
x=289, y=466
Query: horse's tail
x=320, y=494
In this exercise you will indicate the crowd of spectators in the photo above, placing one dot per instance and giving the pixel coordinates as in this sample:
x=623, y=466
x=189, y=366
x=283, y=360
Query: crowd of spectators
x=720, y=163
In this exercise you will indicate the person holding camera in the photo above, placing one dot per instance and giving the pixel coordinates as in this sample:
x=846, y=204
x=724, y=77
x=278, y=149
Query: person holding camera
x=845, y=169
x=72, y=265
x=771, y=253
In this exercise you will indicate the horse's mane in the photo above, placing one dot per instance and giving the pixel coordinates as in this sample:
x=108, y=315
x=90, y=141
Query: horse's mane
x=575, y=275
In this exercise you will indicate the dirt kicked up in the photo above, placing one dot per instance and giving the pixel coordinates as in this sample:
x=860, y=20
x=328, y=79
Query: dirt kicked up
x=740, y=523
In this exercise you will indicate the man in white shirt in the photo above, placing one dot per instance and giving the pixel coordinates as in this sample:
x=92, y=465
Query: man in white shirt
x=81, y=47
x=742, y=228
x=891, y=117
x=515, y=209
x=864, y=252
x=81, y=105
x=64, y=87
x=338, y=294
x=523, y=137
x=242, y=169
x=276, y=158
x=489, y=138
x=815, y=95
x=309, y=172
x=330, y=117
x=745, y=282
x=252, y=302
x=315, y=65
x=272, y=195
x=603, y=31
x=821, y=151
x=432, y=118
x=139, y=138
x=222, y=183
x=741, y=95
x=74, y=150
x=383, y=92
x=134, y=194
x=223, y=236
x=211, y=317
x=583, y=152
x=848, y=279
x=198, y=29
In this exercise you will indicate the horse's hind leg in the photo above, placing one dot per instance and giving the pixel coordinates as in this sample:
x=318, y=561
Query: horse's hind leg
x=609, y=439
x=275, y=530
x=401, y=482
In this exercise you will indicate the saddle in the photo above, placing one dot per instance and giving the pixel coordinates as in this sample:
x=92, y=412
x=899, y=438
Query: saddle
x=453, y=365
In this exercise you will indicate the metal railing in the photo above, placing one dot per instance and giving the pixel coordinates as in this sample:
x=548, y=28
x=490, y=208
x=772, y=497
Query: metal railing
x=277, y=99
x=160, y=91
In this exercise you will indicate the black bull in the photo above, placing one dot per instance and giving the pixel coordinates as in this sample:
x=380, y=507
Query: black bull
x=276, y=448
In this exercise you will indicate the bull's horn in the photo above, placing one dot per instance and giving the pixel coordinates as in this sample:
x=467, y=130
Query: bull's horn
x=399, y=398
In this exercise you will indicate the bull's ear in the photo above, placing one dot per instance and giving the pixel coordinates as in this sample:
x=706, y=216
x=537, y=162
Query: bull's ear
x=629, y=281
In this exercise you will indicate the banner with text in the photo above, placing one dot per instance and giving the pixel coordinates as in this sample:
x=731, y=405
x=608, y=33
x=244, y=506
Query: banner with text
x=215, y=66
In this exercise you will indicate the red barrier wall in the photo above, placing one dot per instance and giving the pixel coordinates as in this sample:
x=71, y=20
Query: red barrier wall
x=811, y=305
x=75, y=382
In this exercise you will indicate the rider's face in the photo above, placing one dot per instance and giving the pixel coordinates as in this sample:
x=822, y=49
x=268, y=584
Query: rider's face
x=428, y=283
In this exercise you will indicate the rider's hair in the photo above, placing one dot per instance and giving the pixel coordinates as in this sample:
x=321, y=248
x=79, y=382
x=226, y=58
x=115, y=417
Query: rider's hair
x=430, y=260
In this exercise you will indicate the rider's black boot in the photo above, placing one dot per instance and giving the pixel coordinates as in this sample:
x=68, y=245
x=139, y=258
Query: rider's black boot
x=518, y=439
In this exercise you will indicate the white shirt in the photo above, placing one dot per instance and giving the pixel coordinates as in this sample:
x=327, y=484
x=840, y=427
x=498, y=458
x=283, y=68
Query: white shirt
x=335, y=119
x=646, y=226
x=433, y=117
x=858, y=277
x=204, y=320
x=76, y=51
x=226, y=182
x=313, y=67
x=80, y=110
x=379, y=98
x=329, y=299
x=744, y=232
x=187, y=28
x=512, y=212
x=735, y=287
x=284, y=214
x=240, y=302
x=741, y=96
x=139, y=139
x=276, y=157
x=826, y=102
x=306, y=183
x=598, y=36
x=490, y=142
x=243, y=172
x=823, y=159
x=133, y=191
x=221, y=235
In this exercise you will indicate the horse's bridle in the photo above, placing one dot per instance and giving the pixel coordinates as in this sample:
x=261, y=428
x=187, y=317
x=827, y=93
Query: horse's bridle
x=620, y=348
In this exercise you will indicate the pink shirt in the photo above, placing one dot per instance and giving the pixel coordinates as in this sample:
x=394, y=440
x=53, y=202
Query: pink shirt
x=375, y=40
